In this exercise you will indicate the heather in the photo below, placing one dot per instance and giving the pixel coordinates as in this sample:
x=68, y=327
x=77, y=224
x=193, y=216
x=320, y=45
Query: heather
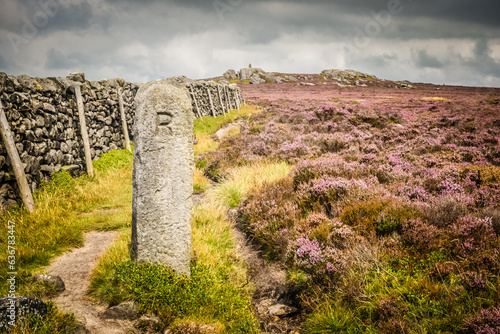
x=389, y=218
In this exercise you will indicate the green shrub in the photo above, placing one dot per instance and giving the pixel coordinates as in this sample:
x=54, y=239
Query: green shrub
x=376, y=215
x=205, y=296
x=114, y=159
x=394, y=217
x=363, y=215
x=333, y=319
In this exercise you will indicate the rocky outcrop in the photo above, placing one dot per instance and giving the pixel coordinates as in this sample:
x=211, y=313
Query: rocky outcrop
x=230, y=75
x=347, y=78
x=257, y=76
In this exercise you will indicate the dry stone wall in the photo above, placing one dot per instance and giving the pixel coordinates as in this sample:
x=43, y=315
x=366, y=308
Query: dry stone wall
x=43, y=117
x=212, y=99
x=209, y=98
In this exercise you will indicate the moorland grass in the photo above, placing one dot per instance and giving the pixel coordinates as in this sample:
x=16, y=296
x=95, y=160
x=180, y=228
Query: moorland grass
x=204, y=128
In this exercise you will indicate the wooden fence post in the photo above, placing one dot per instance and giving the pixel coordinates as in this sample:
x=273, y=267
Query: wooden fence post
x=228, y=96
x=220, y=99
x=124, y=121
x=83, y=130
x=211, y=102
x=15, y=160
x=242, y=100
x=224, y=90
x=191, y=92
x=237, y=97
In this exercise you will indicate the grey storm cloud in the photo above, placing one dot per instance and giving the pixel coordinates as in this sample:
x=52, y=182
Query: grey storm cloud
x=423, y=59
x=57, y=60
x=59, y=15
x=142, y=40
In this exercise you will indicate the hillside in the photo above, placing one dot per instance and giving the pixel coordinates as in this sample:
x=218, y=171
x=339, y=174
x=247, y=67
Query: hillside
x=389, y=219
x=331, y=203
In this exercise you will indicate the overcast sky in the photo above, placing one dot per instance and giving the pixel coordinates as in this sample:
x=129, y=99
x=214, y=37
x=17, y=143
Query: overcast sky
x=438, y=41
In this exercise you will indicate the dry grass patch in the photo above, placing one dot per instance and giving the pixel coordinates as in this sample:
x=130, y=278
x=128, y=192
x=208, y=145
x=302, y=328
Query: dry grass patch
x=436, y=99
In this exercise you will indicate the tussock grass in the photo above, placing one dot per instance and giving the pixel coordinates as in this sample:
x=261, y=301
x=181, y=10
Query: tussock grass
x=200, y=182
x=205, y=127
x=328, y=319
x=436, y=99
x=242, y=179
x=205, y=144
x=209, y=125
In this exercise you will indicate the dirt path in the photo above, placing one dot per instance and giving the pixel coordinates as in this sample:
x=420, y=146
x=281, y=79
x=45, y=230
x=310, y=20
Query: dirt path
x=270, y=284
x=74, y=268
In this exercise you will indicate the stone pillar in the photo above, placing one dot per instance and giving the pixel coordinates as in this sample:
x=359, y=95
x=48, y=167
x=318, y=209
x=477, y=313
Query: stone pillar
x=163, y=176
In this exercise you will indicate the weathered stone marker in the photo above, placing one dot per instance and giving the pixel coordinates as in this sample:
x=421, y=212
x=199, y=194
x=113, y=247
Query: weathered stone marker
x=163, y=176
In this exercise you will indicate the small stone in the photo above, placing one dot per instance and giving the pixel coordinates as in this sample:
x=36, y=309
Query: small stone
x=281, y=310
x=68, y=159
x=49, y=107
x=79, y=77
x=127, y=310
x=47, y=168
x=70, y=168
x=81, y=326
x=148, y=323
x=225, y=132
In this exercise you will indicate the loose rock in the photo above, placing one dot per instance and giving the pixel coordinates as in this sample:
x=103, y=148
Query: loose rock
x=126, y=310
x=54, y=281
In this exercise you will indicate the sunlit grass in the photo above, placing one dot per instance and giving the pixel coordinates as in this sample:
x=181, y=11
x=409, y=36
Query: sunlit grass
x=205, y=144
x=200, y=181
x=210, y=125
x=242, y=179
x=436, y=99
